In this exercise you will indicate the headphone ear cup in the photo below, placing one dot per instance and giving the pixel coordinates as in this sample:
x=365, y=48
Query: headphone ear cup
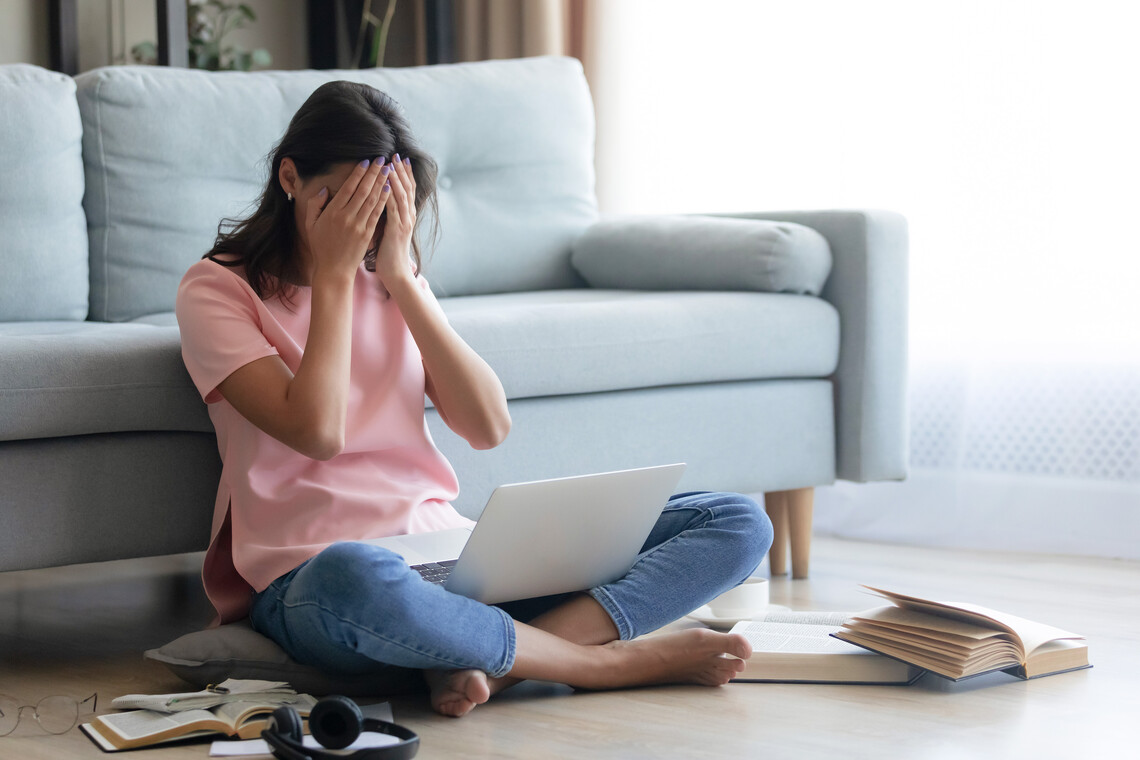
x=287, y=724
x=335, y=722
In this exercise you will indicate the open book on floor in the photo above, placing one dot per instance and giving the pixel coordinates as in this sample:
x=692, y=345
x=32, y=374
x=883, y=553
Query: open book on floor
x=143, y=728
x=957, y=640
x=798, y=647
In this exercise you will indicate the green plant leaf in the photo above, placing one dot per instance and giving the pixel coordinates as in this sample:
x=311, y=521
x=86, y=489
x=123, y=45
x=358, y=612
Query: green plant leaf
x=374, y=52
x=145, y=53
x=211, y=21
x=209, y=58
x=228, y=22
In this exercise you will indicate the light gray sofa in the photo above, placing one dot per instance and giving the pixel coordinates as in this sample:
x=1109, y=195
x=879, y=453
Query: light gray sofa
x=113, y=183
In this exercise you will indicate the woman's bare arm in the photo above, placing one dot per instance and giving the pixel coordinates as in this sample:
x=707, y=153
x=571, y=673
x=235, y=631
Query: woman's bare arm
x=308, y=411
x=465, y=390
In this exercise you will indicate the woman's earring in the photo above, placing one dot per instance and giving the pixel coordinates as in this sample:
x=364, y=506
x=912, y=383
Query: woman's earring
x=289, y=196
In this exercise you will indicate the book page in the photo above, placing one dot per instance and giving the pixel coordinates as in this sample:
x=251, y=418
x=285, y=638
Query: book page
x=805, y=617
x=260, y=747
x=1030, y=634
x=929, y=624
x=158, y=702
x=938, y=643
x=793, y=638
x=237, y=713
x=943, y=610
x=139, y=724
x=1057, y=656
x=229, y=690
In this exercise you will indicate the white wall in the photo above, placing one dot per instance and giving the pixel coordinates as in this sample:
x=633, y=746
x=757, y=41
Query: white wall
x=1006, y=133
x=108, y=29
x=282, y=29
x=23, y=32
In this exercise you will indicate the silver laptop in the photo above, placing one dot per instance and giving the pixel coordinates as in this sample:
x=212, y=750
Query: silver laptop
x=545, y=537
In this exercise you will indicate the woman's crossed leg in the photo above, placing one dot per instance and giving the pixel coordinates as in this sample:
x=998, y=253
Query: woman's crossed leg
x=355, y=604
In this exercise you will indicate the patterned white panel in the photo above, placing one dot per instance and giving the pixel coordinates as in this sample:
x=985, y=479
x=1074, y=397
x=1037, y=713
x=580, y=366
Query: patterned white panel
x=1053, y=420
x=937, y=400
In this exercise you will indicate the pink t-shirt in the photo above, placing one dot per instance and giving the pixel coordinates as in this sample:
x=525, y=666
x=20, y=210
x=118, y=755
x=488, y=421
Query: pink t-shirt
x=276, y=507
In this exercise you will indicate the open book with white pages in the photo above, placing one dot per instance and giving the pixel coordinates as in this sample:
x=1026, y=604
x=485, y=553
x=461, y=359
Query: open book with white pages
x=233, y=708
x=959, y=640
x=798, y=647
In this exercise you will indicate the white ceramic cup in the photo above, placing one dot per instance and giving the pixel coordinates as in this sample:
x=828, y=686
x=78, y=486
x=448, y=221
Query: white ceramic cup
x=743, y=601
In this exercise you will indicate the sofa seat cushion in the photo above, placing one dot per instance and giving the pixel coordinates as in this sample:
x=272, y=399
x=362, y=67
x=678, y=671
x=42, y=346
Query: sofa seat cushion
x=563, y=342
x=76, y=378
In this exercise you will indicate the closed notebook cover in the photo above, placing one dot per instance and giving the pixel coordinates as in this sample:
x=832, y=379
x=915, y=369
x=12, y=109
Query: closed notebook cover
x=917, y=674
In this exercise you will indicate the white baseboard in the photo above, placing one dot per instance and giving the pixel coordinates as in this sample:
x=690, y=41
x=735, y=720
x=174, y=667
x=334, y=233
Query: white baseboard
x=980, y=510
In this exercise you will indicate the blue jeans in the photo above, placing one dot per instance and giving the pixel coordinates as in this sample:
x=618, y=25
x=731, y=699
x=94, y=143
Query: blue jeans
x=355, y=608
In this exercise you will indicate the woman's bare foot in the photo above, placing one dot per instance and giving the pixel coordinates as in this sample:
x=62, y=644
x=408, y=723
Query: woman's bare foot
x=697, y=656
x=456, y=692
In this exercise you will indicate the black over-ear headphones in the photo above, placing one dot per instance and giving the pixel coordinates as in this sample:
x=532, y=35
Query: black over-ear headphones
x=335, y=723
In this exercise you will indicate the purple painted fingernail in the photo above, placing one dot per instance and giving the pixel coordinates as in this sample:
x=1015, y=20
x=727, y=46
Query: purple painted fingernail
x=396, y=158
x=387, y=187
x=386, y=170
x=379, y=161
x=407, y=162
x=364, y=164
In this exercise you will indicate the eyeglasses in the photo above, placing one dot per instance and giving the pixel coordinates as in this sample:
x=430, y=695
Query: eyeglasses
x=56, y=715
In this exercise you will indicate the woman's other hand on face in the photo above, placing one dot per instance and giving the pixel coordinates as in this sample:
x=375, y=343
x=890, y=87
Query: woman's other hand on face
x=340, y=229
x=392, y=260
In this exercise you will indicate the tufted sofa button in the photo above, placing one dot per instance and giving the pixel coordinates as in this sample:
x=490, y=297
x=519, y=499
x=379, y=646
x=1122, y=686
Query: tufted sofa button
x=444, y=183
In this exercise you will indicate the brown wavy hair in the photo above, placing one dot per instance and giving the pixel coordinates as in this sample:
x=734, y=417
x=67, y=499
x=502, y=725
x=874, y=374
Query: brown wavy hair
x=340, y=122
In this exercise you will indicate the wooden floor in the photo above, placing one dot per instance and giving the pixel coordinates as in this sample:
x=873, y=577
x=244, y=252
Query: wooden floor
x=82, y=629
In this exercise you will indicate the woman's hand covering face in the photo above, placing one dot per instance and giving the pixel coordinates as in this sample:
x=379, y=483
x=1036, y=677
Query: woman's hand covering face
x=340, y=229
x=395, y=236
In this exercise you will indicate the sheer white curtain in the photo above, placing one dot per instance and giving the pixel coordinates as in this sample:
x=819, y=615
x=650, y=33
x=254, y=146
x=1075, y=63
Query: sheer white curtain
x=1007, y=133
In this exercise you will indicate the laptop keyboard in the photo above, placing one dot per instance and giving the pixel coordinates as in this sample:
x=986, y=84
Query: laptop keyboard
x=435, y=572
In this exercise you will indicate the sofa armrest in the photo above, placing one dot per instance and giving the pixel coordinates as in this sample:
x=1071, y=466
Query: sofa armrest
x=868, y=287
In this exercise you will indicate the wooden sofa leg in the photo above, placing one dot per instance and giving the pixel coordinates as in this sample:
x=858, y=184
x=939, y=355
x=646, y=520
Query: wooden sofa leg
x=776, y=505
x=791, y=514
x=800, y=502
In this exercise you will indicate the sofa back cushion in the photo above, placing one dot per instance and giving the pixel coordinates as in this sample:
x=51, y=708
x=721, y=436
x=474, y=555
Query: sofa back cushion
x=43, y=245
x=170, y=152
